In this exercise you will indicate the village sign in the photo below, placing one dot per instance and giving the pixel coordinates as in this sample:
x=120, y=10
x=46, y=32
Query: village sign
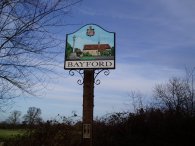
x=89, y=51
x=90, y=47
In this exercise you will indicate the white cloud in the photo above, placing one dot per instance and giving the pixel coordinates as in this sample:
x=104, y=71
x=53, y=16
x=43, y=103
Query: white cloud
x=141, y=77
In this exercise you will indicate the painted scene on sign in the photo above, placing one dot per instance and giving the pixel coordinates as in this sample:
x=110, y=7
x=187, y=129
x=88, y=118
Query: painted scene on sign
x=90, y=43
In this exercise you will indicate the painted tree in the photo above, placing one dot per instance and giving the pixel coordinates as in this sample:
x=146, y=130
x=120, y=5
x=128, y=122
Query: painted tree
x=69, y=50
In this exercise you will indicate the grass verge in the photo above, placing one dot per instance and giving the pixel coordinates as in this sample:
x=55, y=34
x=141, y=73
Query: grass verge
x=10, y=133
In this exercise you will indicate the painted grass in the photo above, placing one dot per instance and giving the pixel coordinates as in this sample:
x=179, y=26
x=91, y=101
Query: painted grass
x=10, y=133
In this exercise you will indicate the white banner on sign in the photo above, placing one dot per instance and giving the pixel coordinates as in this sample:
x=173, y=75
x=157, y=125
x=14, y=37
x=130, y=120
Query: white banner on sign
x=90, y=64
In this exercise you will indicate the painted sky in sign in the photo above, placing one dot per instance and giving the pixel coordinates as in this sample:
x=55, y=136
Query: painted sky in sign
x=82, y=39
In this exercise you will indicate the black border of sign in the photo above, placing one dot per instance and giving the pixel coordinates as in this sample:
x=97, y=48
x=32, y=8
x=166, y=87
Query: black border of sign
x=89, y=60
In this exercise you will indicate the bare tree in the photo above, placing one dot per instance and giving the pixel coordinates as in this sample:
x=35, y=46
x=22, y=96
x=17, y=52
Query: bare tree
x=14, y=117
x=33, y=116
x=27, y=43
x=174, y=95
x=190, y=81
x=137, y=100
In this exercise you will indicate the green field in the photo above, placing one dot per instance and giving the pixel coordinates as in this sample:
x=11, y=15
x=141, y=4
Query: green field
x=10, y=133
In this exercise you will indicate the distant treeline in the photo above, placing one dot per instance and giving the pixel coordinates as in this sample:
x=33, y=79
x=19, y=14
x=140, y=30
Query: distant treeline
x=147, y=127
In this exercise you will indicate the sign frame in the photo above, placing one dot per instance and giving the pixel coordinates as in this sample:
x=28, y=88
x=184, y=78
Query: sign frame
x=90, y=63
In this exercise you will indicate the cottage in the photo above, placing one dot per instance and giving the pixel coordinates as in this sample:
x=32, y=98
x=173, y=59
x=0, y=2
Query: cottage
x=96, y=49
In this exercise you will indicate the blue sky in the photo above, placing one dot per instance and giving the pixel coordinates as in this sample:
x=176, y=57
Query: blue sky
x=155, y=40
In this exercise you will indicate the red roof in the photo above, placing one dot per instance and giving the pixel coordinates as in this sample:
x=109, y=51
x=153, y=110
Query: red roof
x=99, y=47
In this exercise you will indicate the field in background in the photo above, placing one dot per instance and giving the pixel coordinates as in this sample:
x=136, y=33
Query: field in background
x=10, y=133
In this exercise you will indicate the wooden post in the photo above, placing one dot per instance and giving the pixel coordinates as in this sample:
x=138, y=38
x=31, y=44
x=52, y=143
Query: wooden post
x=88, y=104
